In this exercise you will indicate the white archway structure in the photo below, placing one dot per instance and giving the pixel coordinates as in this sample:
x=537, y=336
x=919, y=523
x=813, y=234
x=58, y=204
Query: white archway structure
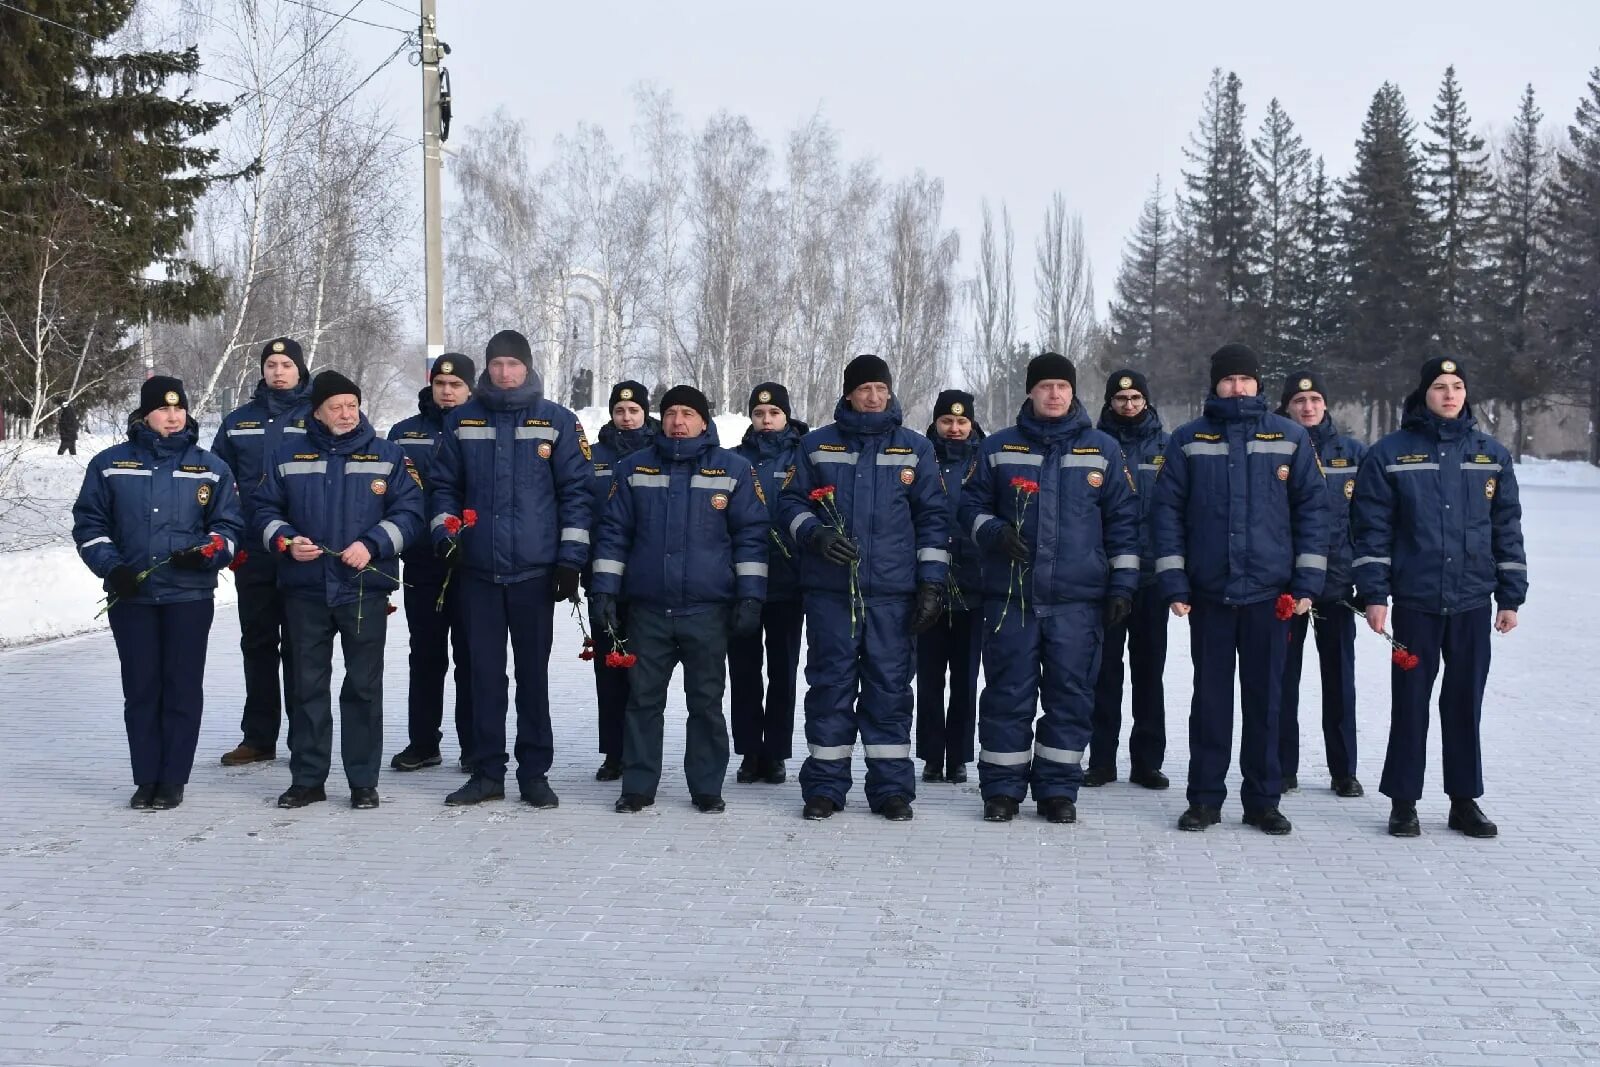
x=593, y=291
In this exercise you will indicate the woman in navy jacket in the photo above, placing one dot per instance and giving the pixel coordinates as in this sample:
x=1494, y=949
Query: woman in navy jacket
x=157, y=517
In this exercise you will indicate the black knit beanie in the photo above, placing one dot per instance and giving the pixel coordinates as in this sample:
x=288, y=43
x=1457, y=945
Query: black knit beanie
x=1234, y=358
x=330, y=383
x=1438, y=365
x=509, y=343
x=455, y=363
x=863, y=369
x=631, y=391
x=287, y=346
x=686, y=396
x=161, y=391
x=770, y=393
x=1127, y=378
x=1304, y=380
x=1051, y=366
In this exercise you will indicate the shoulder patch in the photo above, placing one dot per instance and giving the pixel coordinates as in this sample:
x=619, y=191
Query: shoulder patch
x=761, y=494
x=411, y=469
x=788, y=476
x=583, y=444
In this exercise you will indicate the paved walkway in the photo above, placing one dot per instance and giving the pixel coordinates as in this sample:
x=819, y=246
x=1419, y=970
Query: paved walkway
x=231, y=931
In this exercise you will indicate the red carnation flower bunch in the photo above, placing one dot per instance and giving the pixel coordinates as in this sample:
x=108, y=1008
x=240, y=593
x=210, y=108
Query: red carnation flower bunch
x=453, y=526
x=1399, y=655
x=240, y=558
x=587, y=653
x=1284, y=607
x=826, y=495
x=216, y=544
x=1025, y=489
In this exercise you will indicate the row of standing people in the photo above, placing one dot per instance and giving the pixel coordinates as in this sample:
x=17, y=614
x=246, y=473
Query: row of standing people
x=1052, y=582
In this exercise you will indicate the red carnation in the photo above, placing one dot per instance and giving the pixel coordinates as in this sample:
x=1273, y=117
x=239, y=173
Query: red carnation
x=213, y=546
x=1285, y=607
x=586, y=655
x=629, y=659
x=1026, y=485
x=469, y=517
x=281, y=544
x=238, y=560
x=452, y=525
x=1403, y=659
x=821, y=493
x=388, y=608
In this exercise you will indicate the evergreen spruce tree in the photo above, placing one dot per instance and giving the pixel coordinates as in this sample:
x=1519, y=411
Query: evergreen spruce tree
x=1137, y=327
x=1575, y=268
x=1389, y=308
x=1317, y=277
x=1221, y=198
x=99, y=177
x=1280, y=171
x=1458, y=190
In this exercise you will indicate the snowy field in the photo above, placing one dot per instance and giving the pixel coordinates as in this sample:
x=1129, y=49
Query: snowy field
x=230, y=931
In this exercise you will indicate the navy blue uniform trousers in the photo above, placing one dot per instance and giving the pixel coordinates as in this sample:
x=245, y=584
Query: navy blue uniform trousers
x=162, y=649
x=954, y=645
x=1462, y=641
x=661, y=641
x=1259, y=640
x=361, y=627
x=610, y=683
x=858, y=679
x=525, y=611
x=435, y=634
x=1033, y=662
x=264, y=645
x=1145, y=635
x=765, y=728
x=1335, y=629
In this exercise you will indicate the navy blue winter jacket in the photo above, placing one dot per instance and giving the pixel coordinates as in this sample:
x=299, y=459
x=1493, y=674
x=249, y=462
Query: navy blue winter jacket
x=1081, y=527
x=1437, y=517
x=685, y=529
x=958, y=460
x=419, y=437
x=1241, y=511
x=149, y=497
x=774, y=454
x=251, y=433
x=336, y=491
x=523, y=464
x=886, y=493
x=1340, y=455
x=1144, y=445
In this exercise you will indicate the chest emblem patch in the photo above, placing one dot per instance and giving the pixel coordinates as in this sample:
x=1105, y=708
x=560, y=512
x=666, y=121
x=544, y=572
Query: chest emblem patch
x=203, y=494
x=719, y=501
x=1488, y=489
x=1283, y=472
x=544, y=449
x=1095, y=479
x=1349, y=488
x=907, y=475
x=379, y=487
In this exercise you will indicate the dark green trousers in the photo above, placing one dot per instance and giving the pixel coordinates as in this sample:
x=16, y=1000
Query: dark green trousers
x=661, y=641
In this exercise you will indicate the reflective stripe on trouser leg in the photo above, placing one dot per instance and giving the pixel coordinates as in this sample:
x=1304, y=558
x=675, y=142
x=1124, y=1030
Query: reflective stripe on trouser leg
x=1069, y=639
x=832, y=681
x=1010, y=700
x=885, y=708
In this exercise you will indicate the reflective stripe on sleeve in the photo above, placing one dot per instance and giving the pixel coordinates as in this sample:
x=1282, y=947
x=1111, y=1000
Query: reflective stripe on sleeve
x=979, y=523
x=1362, y=561
x=932, y=555
x=272, y=531
x=1124, y=563
x=1312, y=561
x=575, y=533
x=94, y=541
x=437, y=521
x=799, y=521
x=1169, y=563
x=1512, y=566
x=609, y=566
x=750, y=570
x=392, y=531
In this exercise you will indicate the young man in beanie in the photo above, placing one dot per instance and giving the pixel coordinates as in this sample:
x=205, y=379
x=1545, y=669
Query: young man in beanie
x=629, y=429
x=1240, y=520
x=945, y=735
x=158, y=502
x=337, y=510
x=684, y=541
x=433, y=602
x=1129, y=415
x=763, y=729
x=246, y=441
x=1056, y=514
x=521, y=463
x=871, y=520
x=1305, y=400
x=1438, y=527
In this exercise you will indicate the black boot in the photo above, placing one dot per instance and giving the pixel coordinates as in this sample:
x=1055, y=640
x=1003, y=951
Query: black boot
x=363, y=797
x=772, y=772
x=1467, y=818
x=538, y=793
x=955, y=773
x=1403, y=820
x=414, y=758
x=610, y=770
x=1348, y=787
x=896, y=809
x=298, y=796
x=1268, y=821
x=170, y=796
x=1149, y=779
x=749, y=770
x=142, y=797
x=1291, y=782
x=1095, y=777
x=999, y=809
x=819, y=808
x=709, y=803
x=932, y=772
x=1198, y=817
x=478, y=788
x=630, y=803
x=1058, y=809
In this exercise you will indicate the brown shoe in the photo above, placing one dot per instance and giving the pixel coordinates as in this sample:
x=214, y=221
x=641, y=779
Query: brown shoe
x=245, y=754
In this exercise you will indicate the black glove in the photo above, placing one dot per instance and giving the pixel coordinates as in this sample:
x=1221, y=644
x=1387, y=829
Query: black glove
x=190, y=559
x=124, y=582
x=834, y=546
x=746, y=618
x=1012, y=544
x=605, y=613
x=566, y=582
x=449, y=551
x=1118, y=608
x=930, y=605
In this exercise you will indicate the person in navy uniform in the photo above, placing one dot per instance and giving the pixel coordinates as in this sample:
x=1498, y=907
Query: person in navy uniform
x=1305, y=400
x=763, y=728
x=1438, y=528
x=945, y=734
x=874, y=552
x=1240, y=519
x=1130, y=416
x=685, y=540
x=630, y=428
x=522, y=463
x=433, y=602
x=1057, y=516
x=247, y=439
x=338, y=508
x=160, y=506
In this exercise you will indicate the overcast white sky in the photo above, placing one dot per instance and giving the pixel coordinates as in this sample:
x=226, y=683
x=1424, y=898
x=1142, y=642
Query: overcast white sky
x=1003, y=99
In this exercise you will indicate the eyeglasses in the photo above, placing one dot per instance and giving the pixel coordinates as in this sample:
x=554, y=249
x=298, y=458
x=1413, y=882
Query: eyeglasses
x=1128, y=401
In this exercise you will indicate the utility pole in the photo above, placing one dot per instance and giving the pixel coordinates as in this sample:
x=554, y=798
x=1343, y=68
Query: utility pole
x=432, y=173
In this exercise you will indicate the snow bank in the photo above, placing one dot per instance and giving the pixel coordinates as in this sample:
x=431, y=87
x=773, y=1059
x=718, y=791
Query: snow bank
x=730, y=428
x=1558, y=473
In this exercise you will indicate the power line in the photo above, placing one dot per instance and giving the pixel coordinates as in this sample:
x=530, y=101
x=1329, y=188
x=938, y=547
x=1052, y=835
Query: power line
x=399, y=7
x=312, y=47
x=346, y=17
